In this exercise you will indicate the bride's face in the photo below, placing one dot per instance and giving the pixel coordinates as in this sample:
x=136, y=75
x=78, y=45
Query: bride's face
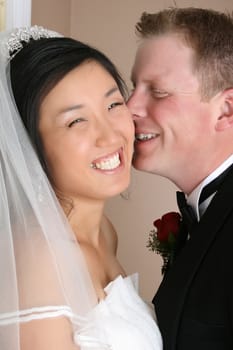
x=87, y=134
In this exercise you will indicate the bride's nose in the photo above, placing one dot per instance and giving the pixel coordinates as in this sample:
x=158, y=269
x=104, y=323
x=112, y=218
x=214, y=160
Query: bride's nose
x=106, y=134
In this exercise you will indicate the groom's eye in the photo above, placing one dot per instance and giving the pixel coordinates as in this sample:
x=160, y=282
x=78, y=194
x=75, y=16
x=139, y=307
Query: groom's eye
x=159, y=93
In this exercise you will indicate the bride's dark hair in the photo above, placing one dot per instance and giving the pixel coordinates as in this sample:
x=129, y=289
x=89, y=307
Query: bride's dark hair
x=39, y=66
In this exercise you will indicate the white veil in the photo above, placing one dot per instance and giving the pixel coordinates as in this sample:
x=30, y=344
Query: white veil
x=42, y=269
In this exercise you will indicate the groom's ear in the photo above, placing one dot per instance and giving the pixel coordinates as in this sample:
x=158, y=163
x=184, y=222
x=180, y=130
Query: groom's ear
x=225, y=120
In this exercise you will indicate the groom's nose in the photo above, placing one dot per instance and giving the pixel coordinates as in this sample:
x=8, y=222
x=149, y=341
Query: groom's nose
x=137, y=105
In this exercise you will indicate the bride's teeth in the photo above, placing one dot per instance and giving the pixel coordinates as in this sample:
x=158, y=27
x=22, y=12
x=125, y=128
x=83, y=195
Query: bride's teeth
x=109, y=164
x=145, y=137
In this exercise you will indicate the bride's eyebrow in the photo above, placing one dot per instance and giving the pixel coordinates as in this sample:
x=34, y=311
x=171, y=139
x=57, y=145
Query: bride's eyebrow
x=69, y=109
x=80, y=106
x=66, y=112
x=111, y=91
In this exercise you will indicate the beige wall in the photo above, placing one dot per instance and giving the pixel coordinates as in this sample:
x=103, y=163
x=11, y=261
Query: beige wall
x=109, y=25
x=52, y=14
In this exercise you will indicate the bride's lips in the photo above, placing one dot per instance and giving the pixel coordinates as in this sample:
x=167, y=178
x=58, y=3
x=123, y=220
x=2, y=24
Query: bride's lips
x=109, y=162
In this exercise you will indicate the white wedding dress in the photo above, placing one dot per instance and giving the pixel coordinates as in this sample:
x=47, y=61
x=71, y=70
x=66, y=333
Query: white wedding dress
x=121, y=321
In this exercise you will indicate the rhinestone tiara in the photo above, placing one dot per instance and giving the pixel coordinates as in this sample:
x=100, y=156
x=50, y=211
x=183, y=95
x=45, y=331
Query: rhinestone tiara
x=14, y=43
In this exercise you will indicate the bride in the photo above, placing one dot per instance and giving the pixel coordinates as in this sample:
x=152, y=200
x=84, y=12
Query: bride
x=66, y=143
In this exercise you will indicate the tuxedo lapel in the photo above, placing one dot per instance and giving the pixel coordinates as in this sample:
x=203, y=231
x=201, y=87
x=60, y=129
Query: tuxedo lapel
x=170, y=298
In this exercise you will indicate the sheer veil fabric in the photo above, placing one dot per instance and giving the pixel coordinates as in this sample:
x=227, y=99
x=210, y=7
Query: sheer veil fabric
x=42, y=270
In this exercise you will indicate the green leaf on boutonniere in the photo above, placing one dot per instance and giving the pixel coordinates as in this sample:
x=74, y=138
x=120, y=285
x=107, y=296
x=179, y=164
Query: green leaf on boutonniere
x=162, y=239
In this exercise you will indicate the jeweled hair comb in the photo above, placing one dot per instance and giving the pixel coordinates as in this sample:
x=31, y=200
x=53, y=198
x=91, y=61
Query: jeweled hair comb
x=14, y=43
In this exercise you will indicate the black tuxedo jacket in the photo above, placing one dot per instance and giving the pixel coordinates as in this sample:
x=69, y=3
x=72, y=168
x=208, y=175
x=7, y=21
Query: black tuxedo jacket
x=194, y=303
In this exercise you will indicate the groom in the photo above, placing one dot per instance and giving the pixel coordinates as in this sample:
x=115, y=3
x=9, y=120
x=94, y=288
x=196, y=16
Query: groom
x=182, y=105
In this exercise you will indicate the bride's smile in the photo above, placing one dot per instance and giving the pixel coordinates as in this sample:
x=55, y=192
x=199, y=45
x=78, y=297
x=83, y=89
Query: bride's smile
x=87, y=133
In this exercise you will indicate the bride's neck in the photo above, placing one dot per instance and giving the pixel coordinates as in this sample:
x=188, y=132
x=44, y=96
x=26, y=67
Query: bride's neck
x=85, y=219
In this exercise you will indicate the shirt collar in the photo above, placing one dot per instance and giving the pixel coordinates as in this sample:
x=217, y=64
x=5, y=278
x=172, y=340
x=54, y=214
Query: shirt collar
x=193, y=198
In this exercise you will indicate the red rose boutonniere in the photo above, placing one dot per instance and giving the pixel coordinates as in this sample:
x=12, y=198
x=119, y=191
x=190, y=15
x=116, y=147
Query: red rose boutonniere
x=162, y=239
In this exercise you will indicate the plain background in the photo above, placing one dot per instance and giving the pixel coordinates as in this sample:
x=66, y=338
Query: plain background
x=109, y=25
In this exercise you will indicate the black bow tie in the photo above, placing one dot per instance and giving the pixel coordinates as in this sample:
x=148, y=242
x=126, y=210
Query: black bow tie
x=213, y=186
x=187, y=212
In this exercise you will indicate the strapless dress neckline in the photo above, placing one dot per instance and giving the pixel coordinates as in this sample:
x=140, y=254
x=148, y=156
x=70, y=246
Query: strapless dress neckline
x=120, y=321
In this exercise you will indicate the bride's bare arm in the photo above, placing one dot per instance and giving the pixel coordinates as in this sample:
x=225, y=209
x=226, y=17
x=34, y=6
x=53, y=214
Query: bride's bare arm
x=47, y=334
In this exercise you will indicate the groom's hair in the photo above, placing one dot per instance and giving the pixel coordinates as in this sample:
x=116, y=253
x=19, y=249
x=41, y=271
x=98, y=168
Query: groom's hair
x=209, y=33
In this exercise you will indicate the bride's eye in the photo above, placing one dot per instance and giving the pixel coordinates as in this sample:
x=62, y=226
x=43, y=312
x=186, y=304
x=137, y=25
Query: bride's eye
x=76, y=121
x=115, y=104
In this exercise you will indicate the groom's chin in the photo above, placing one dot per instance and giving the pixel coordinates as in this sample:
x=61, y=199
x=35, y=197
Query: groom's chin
x=139, y=164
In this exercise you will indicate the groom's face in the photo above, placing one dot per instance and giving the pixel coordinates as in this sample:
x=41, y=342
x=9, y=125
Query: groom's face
x=172, y=122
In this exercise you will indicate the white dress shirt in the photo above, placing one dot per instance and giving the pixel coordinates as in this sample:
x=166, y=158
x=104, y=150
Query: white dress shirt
x=193, y=198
